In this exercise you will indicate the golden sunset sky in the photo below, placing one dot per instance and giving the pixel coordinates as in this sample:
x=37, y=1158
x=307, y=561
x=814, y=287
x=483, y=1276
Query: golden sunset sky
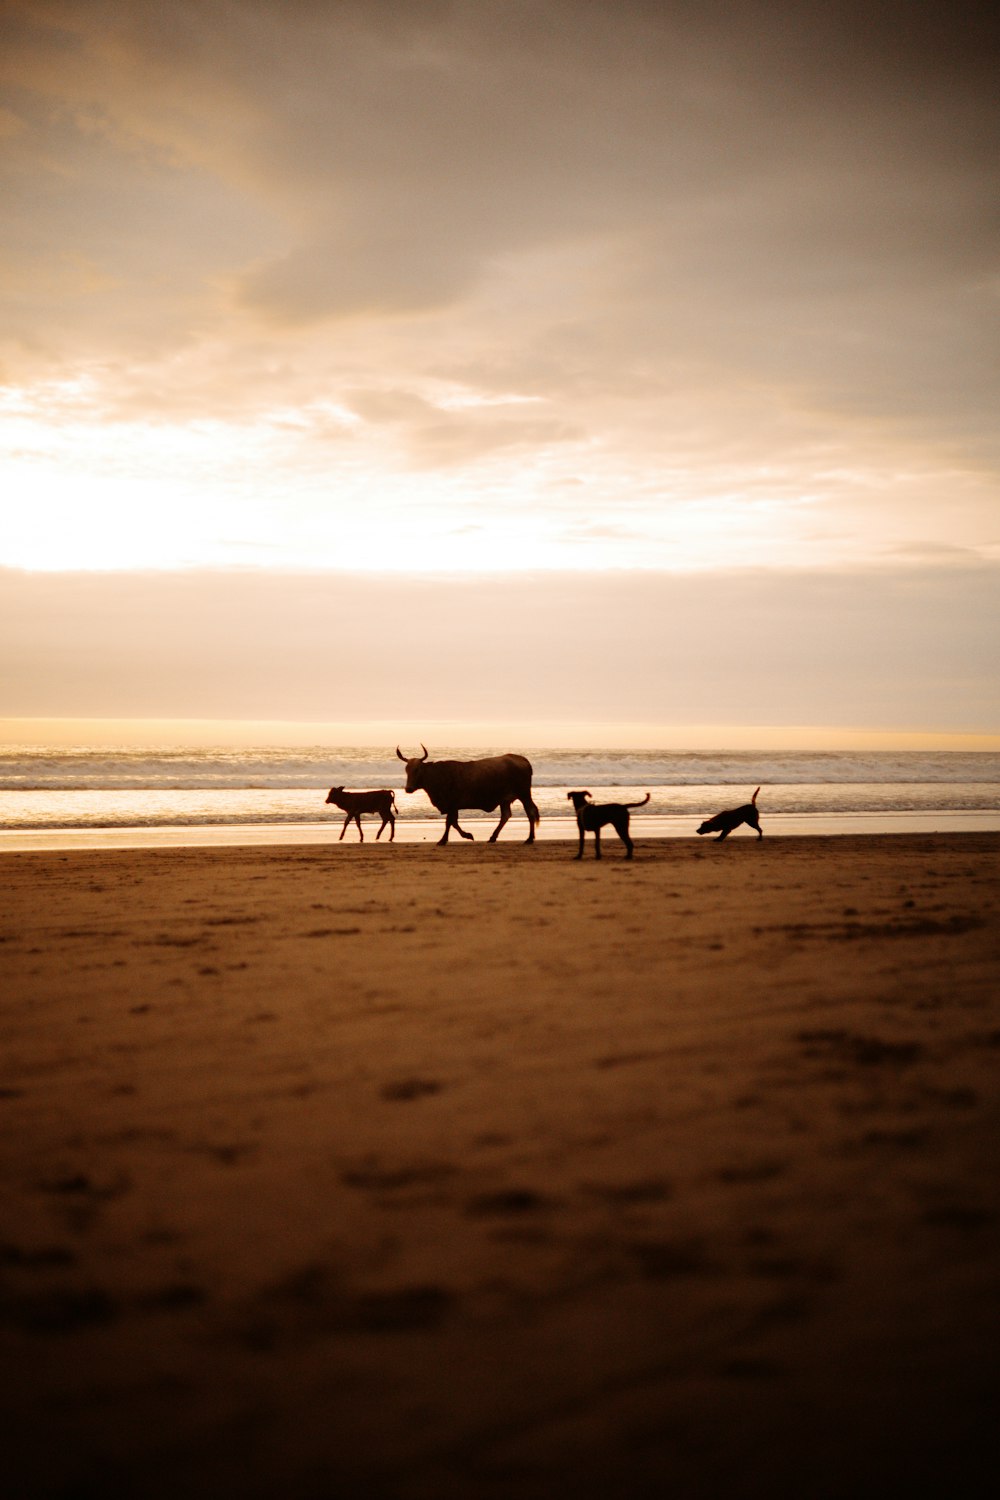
x=501, y=362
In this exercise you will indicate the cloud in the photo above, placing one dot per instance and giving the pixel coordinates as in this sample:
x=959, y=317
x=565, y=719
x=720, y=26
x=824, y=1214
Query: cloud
x=708, y=238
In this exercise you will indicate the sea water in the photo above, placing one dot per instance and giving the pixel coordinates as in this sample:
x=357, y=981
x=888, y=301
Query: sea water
x=50, y=797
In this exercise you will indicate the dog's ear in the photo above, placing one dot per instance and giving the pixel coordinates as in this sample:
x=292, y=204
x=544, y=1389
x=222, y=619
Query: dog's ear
x=586, y=794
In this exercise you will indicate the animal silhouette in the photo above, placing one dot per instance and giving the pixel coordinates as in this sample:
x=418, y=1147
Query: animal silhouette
x=354, y=804
x=495, y=781
x=591, y=817
x=724, y=822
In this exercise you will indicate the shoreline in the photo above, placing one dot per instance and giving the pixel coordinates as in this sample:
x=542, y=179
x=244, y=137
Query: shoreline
x=428, y=831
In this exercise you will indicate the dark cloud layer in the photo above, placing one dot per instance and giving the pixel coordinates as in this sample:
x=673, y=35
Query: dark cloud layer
x=805, y=194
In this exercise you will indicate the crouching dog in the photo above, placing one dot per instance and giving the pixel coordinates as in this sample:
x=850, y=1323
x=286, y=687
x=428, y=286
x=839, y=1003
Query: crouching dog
x=591, y=817
x=724, y=822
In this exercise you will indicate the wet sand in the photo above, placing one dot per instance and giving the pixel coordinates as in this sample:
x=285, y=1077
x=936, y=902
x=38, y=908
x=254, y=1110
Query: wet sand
x=404, y=1172
x=428, y=830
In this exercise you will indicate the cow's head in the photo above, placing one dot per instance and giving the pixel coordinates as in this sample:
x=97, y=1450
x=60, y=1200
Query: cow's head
x=414, y=777
x=334, y=793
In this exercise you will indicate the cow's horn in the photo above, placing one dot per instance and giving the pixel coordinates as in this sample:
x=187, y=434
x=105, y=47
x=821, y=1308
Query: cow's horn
x=424, y=749
x=400, y=753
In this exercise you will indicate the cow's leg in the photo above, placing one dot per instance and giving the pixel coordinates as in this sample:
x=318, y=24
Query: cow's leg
x=361, y=831
x=344, y=829
x=532, y=814
x=461, y=831
x=381, y=830
x=504, y=818
x=392, y=828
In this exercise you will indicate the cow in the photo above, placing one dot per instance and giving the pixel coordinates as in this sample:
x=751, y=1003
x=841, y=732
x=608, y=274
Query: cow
x=354, y=804
x=496, y=781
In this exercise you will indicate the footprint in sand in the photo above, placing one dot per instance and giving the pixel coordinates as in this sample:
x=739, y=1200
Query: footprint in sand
x=962, y=1216
x=58, y=1310
x=750, y=1172
x=370, y=1177
x=312, y=1302
x=620, y=1194
x=404, y=1089
x=510, y=1201
x=662, y=1260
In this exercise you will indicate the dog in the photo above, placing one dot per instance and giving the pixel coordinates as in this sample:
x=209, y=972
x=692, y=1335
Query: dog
x=724, y=822
x=592, y=816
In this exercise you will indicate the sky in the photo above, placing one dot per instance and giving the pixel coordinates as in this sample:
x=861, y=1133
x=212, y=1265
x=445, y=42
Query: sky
x=501, y=361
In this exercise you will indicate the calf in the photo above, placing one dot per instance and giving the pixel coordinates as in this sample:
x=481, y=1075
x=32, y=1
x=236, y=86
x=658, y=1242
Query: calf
x=354, y=804
x=592, y=816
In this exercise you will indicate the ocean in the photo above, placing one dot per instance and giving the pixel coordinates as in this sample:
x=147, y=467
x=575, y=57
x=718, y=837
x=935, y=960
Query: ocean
x=62, y=798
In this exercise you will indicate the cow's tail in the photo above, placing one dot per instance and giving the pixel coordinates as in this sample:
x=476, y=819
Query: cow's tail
x=753, y=799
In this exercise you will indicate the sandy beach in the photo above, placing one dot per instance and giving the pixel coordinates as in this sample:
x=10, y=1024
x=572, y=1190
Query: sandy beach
x=420, y=1174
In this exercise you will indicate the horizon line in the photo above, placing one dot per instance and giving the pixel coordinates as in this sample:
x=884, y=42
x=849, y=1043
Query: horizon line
x=105, y=732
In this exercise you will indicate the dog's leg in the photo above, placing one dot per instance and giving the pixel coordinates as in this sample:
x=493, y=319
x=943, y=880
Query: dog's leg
x=597, y=842
x=723, y=835
x=629, y=846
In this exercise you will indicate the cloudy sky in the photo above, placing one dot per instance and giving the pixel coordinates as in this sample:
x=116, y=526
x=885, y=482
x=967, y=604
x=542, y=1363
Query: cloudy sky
x=667, y=328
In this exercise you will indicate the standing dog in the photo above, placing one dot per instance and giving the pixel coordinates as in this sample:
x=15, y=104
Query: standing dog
x=592, y=816
x=724, y=822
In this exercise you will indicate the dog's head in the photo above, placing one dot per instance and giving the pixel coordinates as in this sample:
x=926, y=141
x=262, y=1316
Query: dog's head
x=578, y=799
x=709, y=826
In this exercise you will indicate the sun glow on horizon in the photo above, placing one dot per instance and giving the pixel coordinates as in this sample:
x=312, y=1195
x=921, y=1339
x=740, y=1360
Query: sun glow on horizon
x=105, y=734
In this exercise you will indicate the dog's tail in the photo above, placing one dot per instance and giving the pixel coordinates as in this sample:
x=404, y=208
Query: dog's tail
x=753, y=799
x=645, y=800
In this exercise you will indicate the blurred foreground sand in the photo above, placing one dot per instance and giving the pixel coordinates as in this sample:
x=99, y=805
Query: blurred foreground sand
x=404, y=1172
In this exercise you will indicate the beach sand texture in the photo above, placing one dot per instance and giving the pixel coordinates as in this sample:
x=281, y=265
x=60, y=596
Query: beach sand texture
x=478, y=1172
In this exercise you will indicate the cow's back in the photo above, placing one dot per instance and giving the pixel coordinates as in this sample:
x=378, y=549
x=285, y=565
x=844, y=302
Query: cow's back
x=482, y=784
